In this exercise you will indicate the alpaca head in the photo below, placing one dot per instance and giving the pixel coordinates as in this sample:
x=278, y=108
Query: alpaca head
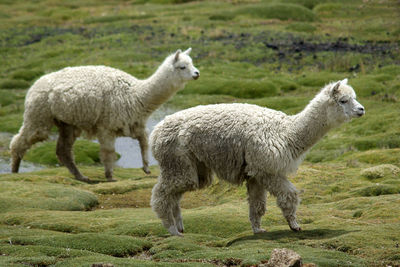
x=183, y=68
x=343, y=105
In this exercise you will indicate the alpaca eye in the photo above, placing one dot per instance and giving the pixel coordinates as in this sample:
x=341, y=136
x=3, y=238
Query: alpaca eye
x=182, y=68
x=343, y=101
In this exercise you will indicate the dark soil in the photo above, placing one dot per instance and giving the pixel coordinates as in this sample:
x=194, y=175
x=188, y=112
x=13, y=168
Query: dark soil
x=285, y=47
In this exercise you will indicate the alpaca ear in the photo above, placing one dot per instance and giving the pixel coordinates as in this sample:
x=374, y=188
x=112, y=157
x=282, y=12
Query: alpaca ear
x=344, y=81
x=187, y=52
x=177, y=53
x=335, y=89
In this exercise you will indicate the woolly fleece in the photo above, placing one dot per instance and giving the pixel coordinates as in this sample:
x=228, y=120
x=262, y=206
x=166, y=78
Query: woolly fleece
x=101, y=101
x=242, y=143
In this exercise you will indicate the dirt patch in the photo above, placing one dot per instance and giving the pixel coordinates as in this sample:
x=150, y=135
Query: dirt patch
x=288, y=46
x=226, y=262
x=132, y=199
x=141, y=199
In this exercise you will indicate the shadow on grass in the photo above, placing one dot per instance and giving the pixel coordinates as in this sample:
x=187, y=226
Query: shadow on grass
x=288, y=235
x=98, y=181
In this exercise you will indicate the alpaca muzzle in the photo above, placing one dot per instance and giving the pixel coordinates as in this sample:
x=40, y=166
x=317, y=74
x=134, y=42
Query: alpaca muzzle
x=196, y=75
x=360, y=111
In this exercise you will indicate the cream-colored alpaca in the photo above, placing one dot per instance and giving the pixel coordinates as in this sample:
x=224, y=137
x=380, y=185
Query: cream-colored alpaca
x=242, y=143
x=100, y=101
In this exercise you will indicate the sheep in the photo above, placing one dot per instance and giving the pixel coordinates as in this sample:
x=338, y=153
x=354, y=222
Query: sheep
x=99, y=101
x=242, y=143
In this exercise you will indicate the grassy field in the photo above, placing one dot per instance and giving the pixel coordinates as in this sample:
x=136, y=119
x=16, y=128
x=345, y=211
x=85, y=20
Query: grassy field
x=273, y=53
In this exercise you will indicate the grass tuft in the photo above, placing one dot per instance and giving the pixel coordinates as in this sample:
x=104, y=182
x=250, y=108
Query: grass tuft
x=22, y=194
x=14, y=84
x=86, y=152
x=377, y=190
x=113, y=245
x=301, y=27
x=243, y=88
x=27, y=75
x=6, y=98
x=380, y=171
x=281, y=11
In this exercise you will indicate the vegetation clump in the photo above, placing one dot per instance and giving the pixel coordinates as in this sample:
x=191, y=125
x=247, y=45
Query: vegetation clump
x=380, y=171
x=281, y=11
x=86, y=152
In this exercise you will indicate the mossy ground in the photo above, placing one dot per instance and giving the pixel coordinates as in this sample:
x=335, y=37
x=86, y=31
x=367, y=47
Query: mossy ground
x=271, y=53
x=50, y=218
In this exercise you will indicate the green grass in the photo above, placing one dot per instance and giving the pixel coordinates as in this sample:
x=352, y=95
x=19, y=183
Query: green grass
x=238, y=88
x=48, y=196
x=281, y=11
x=14, y=84
x=301, y=27
x=114, y=245
x=276, y=54
x=6, y=98
x=334, y=222
x=27, y=75
x=86, y=152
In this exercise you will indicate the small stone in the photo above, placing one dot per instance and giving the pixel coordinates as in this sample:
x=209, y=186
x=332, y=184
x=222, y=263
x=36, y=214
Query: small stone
x=284, y=258
x=102, y=265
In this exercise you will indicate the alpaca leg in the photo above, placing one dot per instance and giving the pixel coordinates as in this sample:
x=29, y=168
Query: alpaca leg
x=163, y=204
x=66, y=139
x=257, y=196
x=107, y=155
x=176, y=211
x=287, y=197
x=144, y=147
x=18, y=146
x=178, y=175
x=22, y=141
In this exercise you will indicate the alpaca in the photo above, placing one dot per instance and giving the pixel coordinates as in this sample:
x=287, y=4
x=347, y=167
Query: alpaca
x=242, y=143
x=100, y=101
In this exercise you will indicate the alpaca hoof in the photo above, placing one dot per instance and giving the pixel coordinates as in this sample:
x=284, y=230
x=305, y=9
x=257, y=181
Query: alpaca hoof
x=15, y=164
x=109, y=175
x=146, y=170
x=297, y=229
x=259, y=231
x=293, y=224
x=179, y=235
x=84, y=179
x=174, y=231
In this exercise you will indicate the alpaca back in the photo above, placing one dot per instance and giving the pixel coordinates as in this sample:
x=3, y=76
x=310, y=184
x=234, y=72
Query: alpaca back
x=87, y=96
x=233, y=140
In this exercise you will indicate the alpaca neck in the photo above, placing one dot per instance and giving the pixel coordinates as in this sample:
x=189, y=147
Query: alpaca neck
x=310, y=125
x=159, y=87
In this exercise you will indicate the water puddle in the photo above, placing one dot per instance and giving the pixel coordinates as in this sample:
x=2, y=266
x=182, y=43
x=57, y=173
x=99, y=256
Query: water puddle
x=5, y=166
x=129, y=148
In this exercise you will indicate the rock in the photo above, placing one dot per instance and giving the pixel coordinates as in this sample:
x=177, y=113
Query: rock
x=102, y=265
x=282, y=257
x=380, y=171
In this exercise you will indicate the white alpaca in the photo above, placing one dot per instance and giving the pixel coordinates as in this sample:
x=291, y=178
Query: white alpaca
x=100, y=101
x=242, y=143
